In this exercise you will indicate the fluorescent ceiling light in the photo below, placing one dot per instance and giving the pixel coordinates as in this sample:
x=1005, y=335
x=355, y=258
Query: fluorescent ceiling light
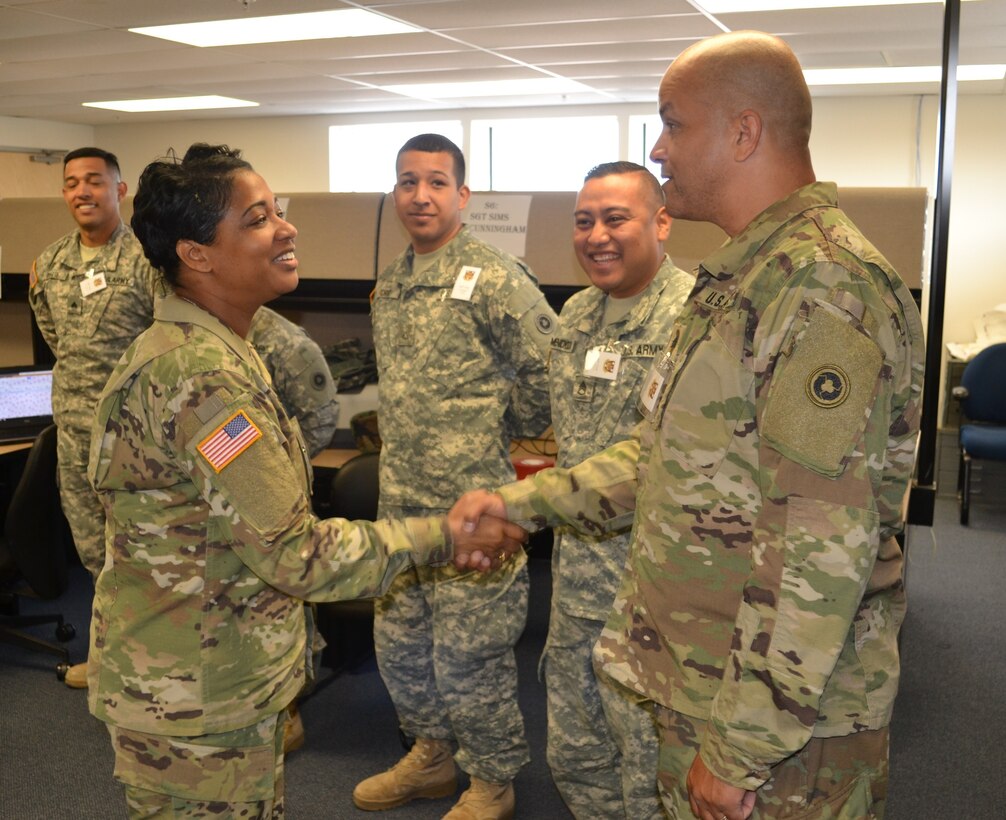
x=489, y=88
x=279, y=28
x=728, y=6
x=172, y=104
x=899, y=74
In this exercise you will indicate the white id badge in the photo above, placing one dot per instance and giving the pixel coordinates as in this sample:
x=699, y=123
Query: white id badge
x=464, y=285
x=90, y=285
x=601, y=363
x=651, y=390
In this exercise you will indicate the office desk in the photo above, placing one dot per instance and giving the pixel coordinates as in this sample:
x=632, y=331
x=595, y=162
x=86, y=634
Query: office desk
x=13, y=448
x=333, y=459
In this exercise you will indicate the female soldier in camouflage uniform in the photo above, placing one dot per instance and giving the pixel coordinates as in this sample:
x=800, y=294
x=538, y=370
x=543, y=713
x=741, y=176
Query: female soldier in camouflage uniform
x=198, y=637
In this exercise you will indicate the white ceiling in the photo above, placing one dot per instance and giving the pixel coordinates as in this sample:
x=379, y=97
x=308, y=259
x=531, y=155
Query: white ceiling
x=56, y=54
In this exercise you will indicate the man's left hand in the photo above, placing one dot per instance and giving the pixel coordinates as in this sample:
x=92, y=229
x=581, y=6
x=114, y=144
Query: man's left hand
x=715, y=799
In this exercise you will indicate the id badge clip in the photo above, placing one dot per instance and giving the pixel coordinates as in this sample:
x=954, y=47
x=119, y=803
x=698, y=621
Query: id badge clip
x=602, y=363
x=92, y=283
x=464, y=285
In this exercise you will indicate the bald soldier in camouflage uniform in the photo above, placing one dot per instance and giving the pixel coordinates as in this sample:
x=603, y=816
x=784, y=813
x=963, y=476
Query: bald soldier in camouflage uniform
x=763, y=594
x=607, y=336
x=92, y=293
x=300, y=376
x=461, y=333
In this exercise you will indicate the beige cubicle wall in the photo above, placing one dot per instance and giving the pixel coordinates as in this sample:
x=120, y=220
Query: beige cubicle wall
x=27, y=226
x=549, y=250
x=336, y=234
x=894, y=219
x=336, y=240
x=351, y=236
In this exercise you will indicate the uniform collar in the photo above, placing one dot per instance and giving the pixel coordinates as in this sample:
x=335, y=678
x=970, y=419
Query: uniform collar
x=590, y=311
x=445, y=272
x=108, y=254
x=172, y=308
x=731, y=258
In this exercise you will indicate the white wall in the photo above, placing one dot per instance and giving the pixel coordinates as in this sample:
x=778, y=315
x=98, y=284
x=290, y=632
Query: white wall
x=19, y=132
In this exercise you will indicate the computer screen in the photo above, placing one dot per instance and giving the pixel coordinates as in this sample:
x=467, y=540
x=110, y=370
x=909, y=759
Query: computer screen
x=25, y=403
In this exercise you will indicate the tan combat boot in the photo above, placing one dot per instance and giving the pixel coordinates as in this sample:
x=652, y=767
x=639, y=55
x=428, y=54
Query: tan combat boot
x=293, y=729
x=426, y=771
x=484, y=801
x=76, y=676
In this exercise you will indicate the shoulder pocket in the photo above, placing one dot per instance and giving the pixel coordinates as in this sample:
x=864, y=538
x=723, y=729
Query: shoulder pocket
x=242, y=456
x=822, y=392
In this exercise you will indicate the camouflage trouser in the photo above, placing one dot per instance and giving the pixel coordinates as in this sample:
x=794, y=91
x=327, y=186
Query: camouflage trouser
x=229, y=775
x=831, y=778
x=444, y=643
x=602, y=746
x=80, y=503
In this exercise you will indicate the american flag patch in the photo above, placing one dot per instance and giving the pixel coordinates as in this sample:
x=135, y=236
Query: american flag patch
x=229, y=440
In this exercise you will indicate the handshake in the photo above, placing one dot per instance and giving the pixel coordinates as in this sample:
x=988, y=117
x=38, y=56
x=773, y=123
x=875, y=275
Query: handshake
x=483, y=539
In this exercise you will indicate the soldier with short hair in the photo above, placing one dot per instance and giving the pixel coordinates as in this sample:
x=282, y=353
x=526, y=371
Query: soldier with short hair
x=602, y=745
x=92, y=293
x=763, y=593
x=461, y=333
x=198, y=633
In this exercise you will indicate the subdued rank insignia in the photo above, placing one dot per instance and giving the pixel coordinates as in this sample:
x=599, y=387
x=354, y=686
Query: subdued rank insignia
x=543, y=322
x=828, y=386
x=583, y=391
x=406, y=336
x=229, y=440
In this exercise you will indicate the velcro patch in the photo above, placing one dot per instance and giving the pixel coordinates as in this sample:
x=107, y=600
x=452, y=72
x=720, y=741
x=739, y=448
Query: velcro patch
x=229, y=440
x=818, y=404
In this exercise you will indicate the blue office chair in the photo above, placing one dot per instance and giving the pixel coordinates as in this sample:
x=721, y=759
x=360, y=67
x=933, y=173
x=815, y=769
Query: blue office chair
x=982, y=394
x=33, y=552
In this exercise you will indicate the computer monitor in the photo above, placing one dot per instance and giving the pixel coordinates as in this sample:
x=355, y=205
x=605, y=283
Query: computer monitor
x=25, y=403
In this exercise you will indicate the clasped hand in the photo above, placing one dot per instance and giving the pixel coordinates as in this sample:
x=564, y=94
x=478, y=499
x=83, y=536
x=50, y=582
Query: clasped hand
x=483, y=538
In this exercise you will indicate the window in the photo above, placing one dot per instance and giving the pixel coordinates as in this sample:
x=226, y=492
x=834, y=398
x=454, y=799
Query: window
x=539, y=153
x=362, y=157
x=643, y=132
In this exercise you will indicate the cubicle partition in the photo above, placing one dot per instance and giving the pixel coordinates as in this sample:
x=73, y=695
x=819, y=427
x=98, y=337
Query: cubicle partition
x=345, y=238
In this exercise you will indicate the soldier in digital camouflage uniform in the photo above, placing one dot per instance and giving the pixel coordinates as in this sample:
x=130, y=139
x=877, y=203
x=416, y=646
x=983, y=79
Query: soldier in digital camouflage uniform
x=300, y=376
x=461, y=333
x=198, y=638
x=763, y=594
x=92, y=293
x=607, y=336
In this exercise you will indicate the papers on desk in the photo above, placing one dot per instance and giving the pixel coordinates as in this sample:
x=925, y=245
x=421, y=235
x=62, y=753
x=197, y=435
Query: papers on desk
x=990, y=329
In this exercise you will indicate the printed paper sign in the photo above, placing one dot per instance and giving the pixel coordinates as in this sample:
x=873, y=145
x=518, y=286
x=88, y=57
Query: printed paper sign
x=500, y=220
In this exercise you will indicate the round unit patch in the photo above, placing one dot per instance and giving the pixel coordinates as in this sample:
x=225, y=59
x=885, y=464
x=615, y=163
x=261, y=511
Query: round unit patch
x=828, y=386
x=544, y=322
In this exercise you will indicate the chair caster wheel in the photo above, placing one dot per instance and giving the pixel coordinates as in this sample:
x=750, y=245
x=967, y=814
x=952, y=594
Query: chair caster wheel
x=61, y=670
x=65, y=632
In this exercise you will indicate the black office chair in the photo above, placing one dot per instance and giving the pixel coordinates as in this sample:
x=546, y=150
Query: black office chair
x=348, y=626
x=33, y=553
x=982, y=394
